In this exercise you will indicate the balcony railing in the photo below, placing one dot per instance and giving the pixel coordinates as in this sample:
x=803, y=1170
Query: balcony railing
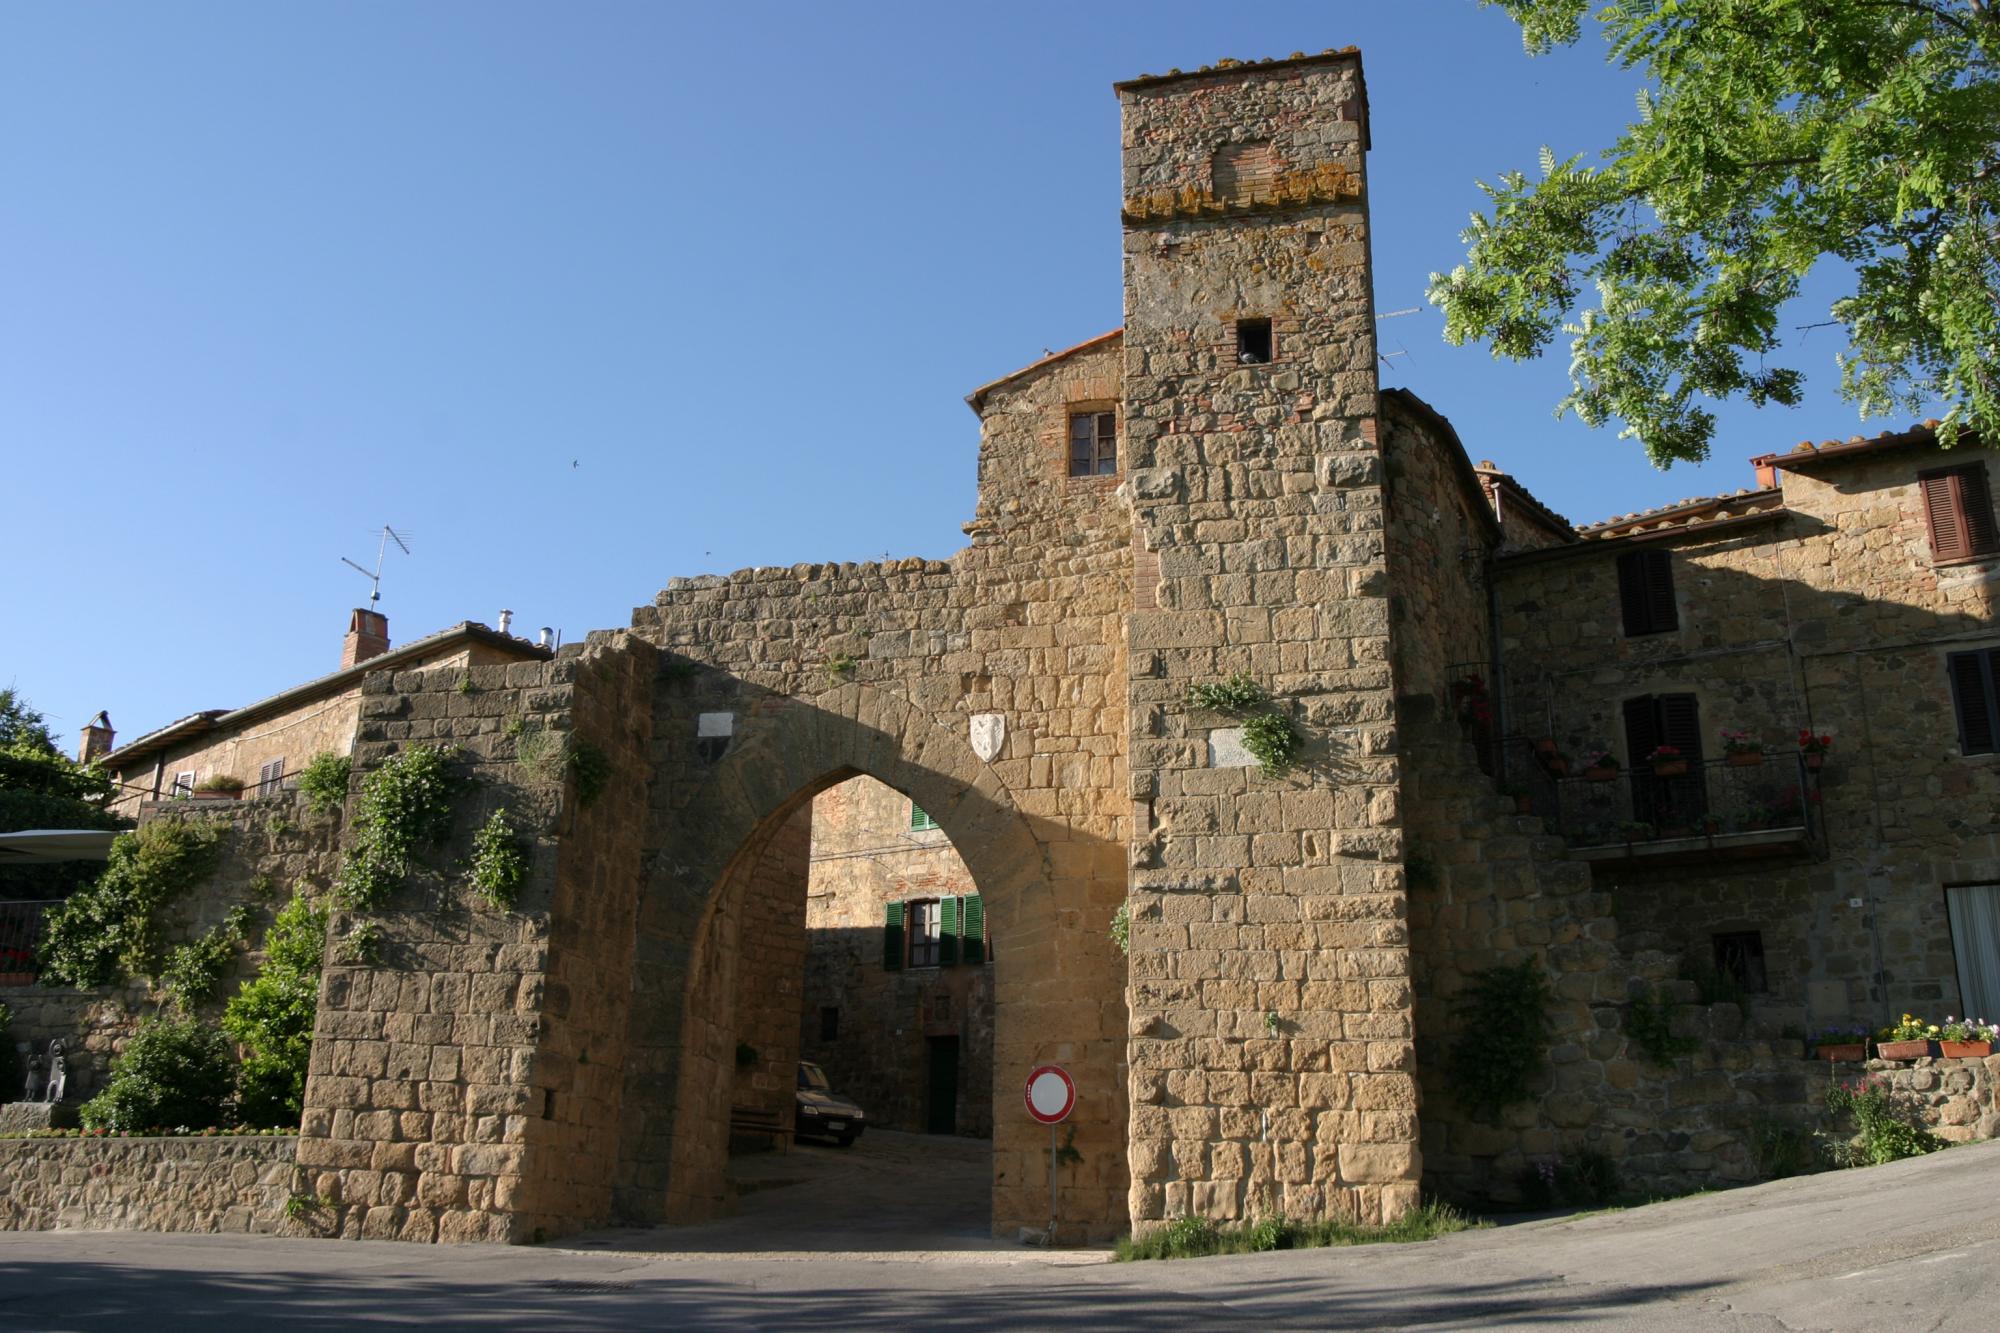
x=20, y=935
x=1712, y=807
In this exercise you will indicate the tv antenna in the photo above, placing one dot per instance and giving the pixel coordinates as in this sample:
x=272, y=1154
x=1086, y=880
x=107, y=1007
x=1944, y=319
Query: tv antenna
x=389, y=534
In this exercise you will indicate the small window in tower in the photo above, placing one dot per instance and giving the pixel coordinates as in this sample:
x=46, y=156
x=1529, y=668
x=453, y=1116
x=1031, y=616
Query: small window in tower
x=1253, y=342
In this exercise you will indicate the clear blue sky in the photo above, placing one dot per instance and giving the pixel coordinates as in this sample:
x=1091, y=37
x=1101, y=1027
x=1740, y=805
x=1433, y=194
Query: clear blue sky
x=274, y=275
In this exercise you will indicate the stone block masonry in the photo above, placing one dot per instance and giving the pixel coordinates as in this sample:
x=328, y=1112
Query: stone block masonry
x=195, y=1184
x=1270, y=1035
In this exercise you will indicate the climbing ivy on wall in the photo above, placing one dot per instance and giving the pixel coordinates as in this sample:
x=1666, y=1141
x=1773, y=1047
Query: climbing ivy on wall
x=272, y=1016
x=404, y=805
x=110, y=929
x=1503, y=1038
x=499, y=862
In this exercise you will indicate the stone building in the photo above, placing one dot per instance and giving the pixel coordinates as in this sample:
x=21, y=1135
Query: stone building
x=264, y=744
x=1195, y=537
x=898, y=994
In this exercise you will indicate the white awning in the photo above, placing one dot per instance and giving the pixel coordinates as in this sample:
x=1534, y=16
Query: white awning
x=39, y=845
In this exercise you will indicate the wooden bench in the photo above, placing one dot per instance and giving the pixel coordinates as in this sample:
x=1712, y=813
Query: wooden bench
x=754, y=1122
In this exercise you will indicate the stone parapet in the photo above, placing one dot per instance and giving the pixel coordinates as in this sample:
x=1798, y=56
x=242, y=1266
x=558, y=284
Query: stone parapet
x=238, y=1184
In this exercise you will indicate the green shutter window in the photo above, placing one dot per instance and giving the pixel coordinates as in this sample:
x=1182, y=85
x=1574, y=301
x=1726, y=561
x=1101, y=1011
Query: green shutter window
x=948, y=918
x=919, y=821
x=972, y=929
x=892, y=938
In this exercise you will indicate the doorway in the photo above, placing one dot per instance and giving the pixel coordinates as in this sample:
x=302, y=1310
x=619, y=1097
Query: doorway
x=943, y=1100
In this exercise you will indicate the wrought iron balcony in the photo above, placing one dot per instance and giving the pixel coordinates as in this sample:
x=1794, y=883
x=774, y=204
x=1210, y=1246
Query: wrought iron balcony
x=1693, y=811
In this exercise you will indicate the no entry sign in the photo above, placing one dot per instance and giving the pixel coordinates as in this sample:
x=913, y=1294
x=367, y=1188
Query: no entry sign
x=1050, y=1094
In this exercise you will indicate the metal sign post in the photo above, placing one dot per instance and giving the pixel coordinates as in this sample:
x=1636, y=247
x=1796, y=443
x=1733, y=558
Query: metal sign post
x=1051, y=1096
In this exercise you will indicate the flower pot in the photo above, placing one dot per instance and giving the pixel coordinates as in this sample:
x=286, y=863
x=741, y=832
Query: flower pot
x=1852, y=1051
x=1600, y=774
x=217, y=795
x=1965, y=1050
x=1556, y=767
x=1546, y=745
x=1815, y=761
x=1670, y=768
x=1902, y=1050
x=1524, y=805
x=1746, y=758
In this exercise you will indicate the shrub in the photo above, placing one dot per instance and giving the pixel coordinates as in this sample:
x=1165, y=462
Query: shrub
x=1273, y=740
x=1121, y=927
x=324, y=781
x=1238, y=694
x=404, y=804
x=108, y=930
x=499, y=863
x=175, y=1073
x=1503, y=1039
x=1887, y=1130
x=194, y=969
x=272, y=1015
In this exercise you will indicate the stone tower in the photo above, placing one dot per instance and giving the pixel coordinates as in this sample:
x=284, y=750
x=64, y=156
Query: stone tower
x=1271, y=1065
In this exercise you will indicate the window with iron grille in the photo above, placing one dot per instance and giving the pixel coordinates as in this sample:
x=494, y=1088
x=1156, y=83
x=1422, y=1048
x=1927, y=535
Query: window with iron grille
x=1646, y=593
x=1975, y=698
x=271, y=778
x=1958, y=510
x=1093, y=444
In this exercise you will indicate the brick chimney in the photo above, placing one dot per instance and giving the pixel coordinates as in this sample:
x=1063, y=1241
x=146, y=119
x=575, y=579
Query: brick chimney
x=96, y=741
x=367, y=636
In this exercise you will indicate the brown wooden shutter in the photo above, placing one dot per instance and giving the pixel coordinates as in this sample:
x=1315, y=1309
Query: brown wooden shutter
x=1642, y=729
x=1944, y=514
x=1680, y=724
x=1646, y=592
x=1972, y=694
x=1975, y=499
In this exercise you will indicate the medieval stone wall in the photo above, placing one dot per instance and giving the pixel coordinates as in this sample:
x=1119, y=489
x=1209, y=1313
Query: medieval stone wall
x=210, y=1184
x=1270, y=964
x=771, y=951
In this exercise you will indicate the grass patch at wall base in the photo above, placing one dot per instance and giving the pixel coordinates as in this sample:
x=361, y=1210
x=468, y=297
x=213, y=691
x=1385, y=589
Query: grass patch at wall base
x=1197, y=1237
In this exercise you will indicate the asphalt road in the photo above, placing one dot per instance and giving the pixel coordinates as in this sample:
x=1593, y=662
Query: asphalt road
x=1910, y=1246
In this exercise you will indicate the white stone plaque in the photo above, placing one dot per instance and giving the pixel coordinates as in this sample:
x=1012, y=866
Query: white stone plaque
x=1225, y=749
x=988, y=732
x=715, y=724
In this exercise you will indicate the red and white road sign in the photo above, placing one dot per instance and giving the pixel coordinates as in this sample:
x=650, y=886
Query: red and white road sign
x=1050, y=1096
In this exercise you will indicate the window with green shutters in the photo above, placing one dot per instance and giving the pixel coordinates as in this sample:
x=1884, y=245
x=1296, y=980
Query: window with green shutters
x=934, y=932
x=919, y=821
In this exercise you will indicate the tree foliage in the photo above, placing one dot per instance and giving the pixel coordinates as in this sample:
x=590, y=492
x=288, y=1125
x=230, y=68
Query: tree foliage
x=273, y=1016
x=41, y=788
x=111, y=929
x=175, y=1073
x=1777, y=134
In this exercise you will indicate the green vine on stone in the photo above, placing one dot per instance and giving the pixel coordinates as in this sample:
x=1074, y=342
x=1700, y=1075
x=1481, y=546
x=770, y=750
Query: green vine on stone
x=499, y=864
x=1273, y=741
x=404, y=805
x=591, y=768
x=362, y=944
x=272, y=1015
x=1121, y=927
x=194, y=970
x=323, y=781
x=1237, y=695
x=839, y=667
x=1503, y=1038
x=1649, y=1024
x=110, y=929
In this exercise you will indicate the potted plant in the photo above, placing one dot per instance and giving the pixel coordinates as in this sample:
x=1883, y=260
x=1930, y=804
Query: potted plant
x=1841, y=1042
x=1600, y=765
x=1740, y=749
x=1554, y=762
x=221, y=787
x=1813, y=747
x=1963, y=1039
x=1667, y=761
x=1523, y=803
x=1635, y=830
x=1907, y=1040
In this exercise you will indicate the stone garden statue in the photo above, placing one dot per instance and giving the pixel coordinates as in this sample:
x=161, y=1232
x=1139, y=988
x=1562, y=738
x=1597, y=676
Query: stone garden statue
x=38, y=1079
x=58, y=1071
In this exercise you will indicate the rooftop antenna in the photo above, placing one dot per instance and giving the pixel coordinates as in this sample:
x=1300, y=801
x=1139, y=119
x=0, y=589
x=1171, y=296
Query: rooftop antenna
x=389, y=534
